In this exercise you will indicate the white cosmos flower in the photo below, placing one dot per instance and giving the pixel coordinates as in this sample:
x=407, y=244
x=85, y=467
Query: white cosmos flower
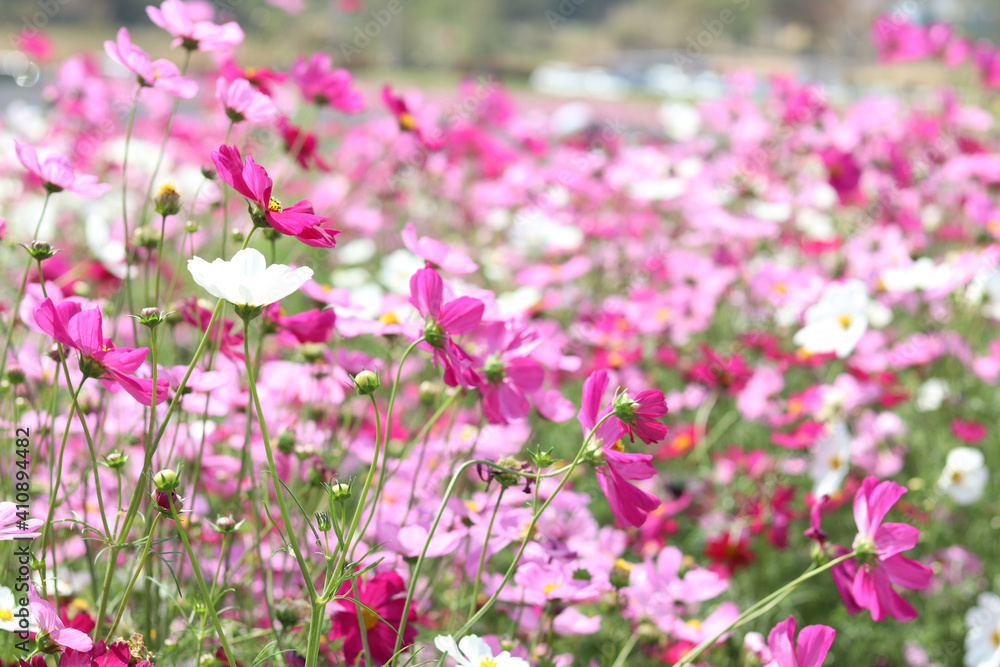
x=837, y=322
x=922, y=274
x=247, y=280
x=471, y=651
x=831, y=460
x=982, y=643
x=8, y=608
x=964, y=476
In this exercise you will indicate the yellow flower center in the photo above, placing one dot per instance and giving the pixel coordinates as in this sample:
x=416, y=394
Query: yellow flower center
x=995, y=637
x=6, y=614
x=369, y=619
x=249, y=73
x=845, y=321
x=835, y=462
x=623, y=564
x=551, y=587
x=406, y=122
x=274, y=206
x=156, y=74
x=389, y=318
x=694, y=624
x=616, y=359
x=780, y=288
x=956, y=477
x=487, y=662
x=167, y=190
x=619, y=446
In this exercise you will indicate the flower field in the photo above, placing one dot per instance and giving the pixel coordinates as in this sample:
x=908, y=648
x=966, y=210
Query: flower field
x=298, y=372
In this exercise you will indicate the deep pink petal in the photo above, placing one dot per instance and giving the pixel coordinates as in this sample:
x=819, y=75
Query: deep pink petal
x=907, y=572
x=461, y=315
x=814, y=643
x=891, y=538
x=426, y=288
x=781, y=641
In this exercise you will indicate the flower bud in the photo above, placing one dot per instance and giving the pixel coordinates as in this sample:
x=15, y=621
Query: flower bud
x=541, y=459
x=226, y=525
x=271, y=234
x=620, y=573
x=15, y=373
x=39, y=250
x=208, y=171
x=429, y=392
x=324, y=522
x=115, y=460
x=287, y=614
x=167, y=200
x=340, y=492
x=191, y=226
x=505, y=477
x=286, y=442
x=37, y=565
x=151, y=317
x=46, y=644
x=236, y=235
x=366, y=382
x=146, y=237
x=166, y=480
x=56, y=353
x=162, y=500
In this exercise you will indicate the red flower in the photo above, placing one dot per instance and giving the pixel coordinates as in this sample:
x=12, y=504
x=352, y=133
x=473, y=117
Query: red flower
x=715, y=370
x=729, y=553
x=384, y=594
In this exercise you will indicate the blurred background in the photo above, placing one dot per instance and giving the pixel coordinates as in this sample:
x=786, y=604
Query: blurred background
x=573, y=48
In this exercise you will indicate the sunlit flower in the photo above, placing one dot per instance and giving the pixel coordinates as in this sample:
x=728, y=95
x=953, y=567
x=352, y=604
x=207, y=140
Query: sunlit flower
x=242, y=101
x=982, y=642
x=964, y=476
x=161, y=74
x=247, y=280
x=191, y=31
x=471, y=651
x=837, y=322
x=57, y=174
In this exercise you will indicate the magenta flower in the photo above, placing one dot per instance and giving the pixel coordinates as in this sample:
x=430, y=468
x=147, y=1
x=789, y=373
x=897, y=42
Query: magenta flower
x=510, y=375
x=161, y=74
x=51, y=630
x=617, y=468
x=867, y=584
x=57, y=174
x=323, y=85
x=397, y=105
x=179, y=19
x=242, y=101
x=813, y=645
x=81, y=330
x=639, y=415
x=444, y=320
x=436, y=252
x=251, y=180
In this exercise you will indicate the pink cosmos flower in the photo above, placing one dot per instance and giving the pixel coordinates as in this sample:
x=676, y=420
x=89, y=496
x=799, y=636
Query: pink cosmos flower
x=444, y=320
x=323, y=85
x=242, y=101
x=628, y=503
x=11, y=526
x=397, y=105
x=305, y=147
x=510, y=375
x=177, y=18
x=384, y=593
x=161, y=74
x=81, y=330
x=50, y=624
x=311, y=326
x=868, y=583
x=436, y=252
x=813, y=644
x=260, y=77
x=639, y=416
x=57, y=174
x=251, y=180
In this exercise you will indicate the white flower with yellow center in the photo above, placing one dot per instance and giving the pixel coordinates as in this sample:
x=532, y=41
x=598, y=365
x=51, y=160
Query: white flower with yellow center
x=837, y=321
x=831, y=460
x=982, y=643
x=8, y=608
x=964, y=476
x=471, y=651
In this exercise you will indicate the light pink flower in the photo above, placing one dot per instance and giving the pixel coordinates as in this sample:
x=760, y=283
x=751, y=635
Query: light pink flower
x=48, y=623
x=813, y=645
x=179, y=20
x=161, y=74
x=13, y=528
x=242, y=101
x=436, y=252
x=57, y=174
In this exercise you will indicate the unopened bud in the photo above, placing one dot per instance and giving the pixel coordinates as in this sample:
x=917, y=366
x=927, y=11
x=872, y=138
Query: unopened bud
x=429, y=392
x=324, y=522
x=366, y=382
x=15, y=373
x=236, y=235
x=115, y=460
x=40, y=250
x=208, y=171
x=286, y=442
x=146, y=237
x=226, y=525
x=506, y=477
x=151, y=317
x=620, y=573
x=167, y=200
x=191, y=226
x=166, y=480
x=340, y=492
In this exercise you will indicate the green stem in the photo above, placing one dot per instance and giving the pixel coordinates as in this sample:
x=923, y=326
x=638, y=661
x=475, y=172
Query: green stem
x=159, y=256
x=135, y=578
x=20, y=294
x=290, y=529
x=482, y=554
x=758, y=609
x=128, y=254
x=626, y=649
x=209, y=603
